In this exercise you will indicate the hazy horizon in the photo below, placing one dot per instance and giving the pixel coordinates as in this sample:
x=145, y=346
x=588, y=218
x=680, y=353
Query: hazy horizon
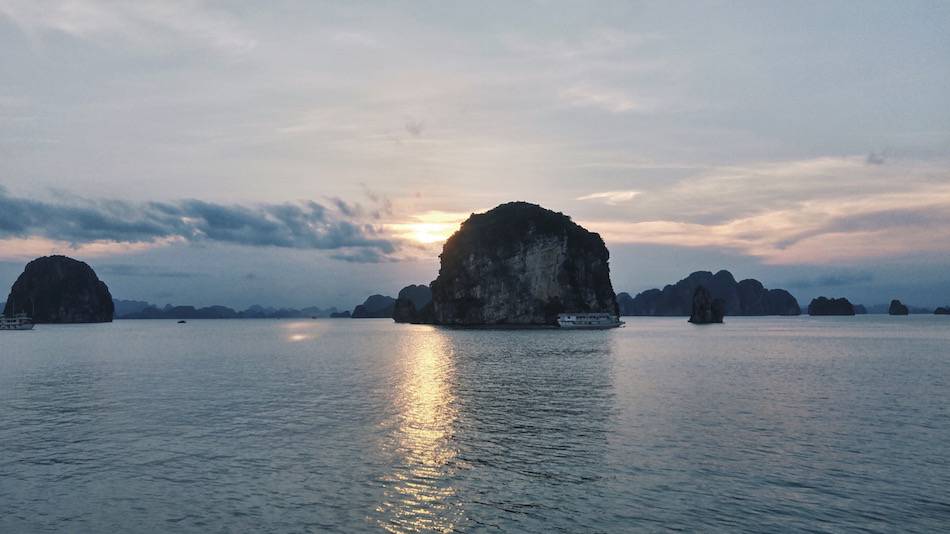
x=313, y=154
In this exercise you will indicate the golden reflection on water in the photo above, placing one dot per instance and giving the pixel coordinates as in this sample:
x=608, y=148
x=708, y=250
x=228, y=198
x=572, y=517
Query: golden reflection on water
x=418, y=496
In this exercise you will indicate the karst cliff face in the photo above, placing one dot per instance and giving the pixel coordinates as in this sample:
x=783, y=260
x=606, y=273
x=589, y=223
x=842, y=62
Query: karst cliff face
x=520, y=264
x=57, y=289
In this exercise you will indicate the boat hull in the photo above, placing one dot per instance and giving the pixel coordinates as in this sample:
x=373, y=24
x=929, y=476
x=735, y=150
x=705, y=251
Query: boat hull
x=18, y=327
x=591, y=326
x=588, y=321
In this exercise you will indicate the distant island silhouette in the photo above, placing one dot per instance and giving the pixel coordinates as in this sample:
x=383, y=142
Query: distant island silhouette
x=414, y=305
x=133, y=309
x=375, y=307
x=748, y=297
x=830, y=306
x=897, y=308
x=517, y=264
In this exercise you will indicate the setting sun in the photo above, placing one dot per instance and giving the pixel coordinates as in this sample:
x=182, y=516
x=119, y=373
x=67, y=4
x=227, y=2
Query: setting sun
x=430, y=232
x=429, y=227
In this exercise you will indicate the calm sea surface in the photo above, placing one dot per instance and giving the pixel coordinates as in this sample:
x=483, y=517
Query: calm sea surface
x=763, y=424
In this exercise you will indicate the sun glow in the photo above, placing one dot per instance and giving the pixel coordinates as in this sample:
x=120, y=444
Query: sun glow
x=430, y=232
x=429, y=227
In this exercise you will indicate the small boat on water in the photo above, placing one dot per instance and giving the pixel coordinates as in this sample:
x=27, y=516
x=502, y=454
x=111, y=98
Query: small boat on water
x=588, y=321
x=19, y=321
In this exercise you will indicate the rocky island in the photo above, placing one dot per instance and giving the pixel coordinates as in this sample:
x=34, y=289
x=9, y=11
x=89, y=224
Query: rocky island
x=748, y=297
x=375, y=307
x=826, y=306
x=706, y=310
x=897, y=308
x=58, y=289
x=521, y=265
x=942, y=310
x=414, y=305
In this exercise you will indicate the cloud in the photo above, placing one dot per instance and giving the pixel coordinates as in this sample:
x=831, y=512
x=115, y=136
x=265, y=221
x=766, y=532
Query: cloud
x=611, y=197
x=120, y=269
x=355, y=39
x=600, y=43
x=832, y=280
x=301, y=225
x=158, y=26
x=415, y=127
x=812, y=211
x=875, y=158
x=607, y=99
x=363, y=255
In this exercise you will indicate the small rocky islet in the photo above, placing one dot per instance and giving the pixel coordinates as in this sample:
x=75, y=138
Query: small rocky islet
x=898, y=308
x=830, y=306
x=705, y=308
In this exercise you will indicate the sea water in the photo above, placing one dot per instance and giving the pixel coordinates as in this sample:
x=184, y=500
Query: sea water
x=760, y=424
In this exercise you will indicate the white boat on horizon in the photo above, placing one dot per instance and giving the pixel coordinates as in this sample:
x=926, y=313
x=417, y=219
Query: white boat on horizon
x=588, y=321
x=20, y=321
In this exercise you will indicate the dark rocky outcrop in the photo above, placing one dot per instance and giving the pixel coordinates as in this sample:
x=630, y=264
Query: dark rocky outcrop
x=897, y=308
x=826, y=306
x=340, y=315
x=943, y=310
x=520, y=264
x=57, y=289
x=706, y=309
x=748, y=297
x=375, y=307
x=414, y=305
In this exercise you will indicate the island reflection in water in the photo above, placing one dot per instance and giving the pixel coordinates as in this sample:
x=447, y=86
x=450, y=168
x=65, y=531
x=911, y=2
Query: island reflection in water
x=418, y=493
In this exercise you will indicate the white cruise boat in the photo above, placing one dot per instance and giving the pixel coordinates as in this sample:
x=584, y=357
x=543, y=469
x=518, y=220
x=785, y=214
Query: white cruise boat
x=19, y=321
x=590, y=321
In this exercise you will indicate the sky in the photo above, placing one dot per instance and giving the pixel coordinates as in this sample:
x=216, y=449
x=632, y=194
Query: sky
x=313, y=153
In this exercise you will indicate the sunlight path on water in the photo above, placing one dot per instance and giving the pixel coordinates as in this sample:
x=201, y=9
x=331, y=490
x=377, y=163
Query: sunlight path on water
x=419, y=495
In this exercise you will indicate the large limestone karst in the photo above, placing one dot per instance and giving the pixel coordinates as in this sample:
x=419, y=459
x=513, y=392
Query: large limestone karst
x=57, y=289
x=521, y=264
